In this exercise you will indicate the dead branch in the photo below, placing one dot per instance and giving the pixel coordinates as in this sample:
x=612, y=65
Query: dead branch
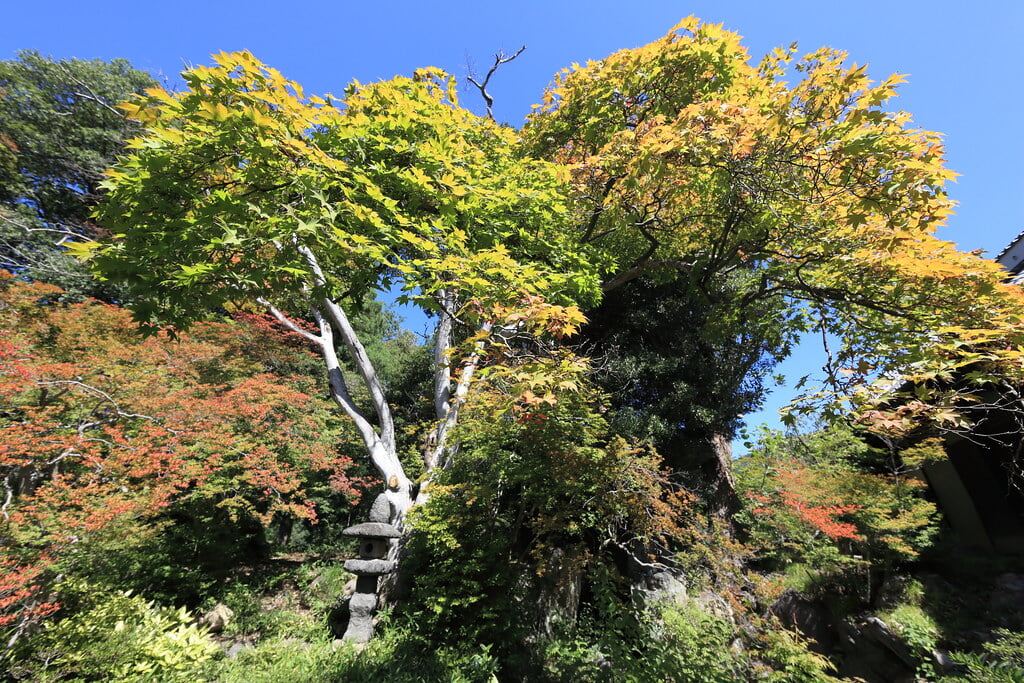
x=499, y=59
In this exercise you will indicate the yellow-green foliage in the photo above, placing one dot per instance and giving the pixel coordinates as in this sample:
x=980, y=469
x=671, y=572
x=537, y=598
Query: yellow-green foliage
x=1001, y=662
x=790, y=660
x=117, y=636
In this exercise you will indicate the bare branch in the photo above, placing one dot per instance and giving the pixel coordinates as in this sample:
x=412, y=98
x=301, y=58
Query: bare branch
x=365, y=369
x=98, y=393
x=641, y=268
x=340, y=394
x=89, y=93
x=499, y=59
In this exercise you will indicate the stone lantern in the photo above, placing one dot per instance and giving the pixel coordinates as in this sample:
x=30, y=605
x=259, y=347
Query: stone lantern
x=374, y=542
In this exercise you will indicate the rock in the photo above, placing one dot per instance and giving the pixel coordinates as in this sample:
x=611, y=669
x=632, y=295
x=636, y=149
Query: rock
x=217, y=618
x=715, y=604
x=349, y=588
x=380, y=511
x=666, y=582
x=660, y=587
x=1008, y=593
x=880, y=632
x=372, y=530
x=810, y=618
x=369, y=567
x=944, y=664
x=235, y=648
x=874, y=653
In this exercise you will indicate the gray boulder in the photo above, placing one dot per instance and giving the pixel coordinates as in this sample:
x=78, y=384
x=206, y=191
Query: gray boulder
x=217, y=618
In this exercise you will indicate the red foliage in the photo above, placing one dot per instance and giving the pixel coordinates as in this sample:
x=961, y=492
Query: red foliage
x=806, y=496
x=99, y=426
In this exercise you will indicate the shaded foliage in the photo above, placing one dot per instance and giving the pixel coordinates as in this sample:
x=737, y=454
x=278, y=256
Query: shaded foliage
x=681, y=366
x=829, y=501
x=59, y=132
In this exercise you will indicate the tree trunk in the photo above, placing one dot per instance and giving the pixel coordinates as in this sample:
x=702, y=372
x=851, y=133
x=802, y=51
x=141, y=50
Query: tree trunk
x=716, y=468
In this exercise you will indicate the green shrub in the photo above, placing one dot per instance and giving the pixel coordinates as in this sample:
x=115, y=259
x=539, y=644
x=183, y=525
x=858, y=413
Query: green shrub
x=680, y=643
x=918, y=630
x=117, y=636
x=694, y=646
x=276, y=660
x=1001, y=661
x=790, y=660
x=397, y=654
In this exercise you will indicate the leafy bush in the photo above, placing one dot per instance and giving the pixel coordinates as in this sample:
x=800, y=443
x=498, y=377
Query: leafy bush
x=790, y=660
x=397, y=654
x=694, y=646
x=918, y=630
x=116, y=636
x=1001, y=661
x=542, y=493
x=673, y=642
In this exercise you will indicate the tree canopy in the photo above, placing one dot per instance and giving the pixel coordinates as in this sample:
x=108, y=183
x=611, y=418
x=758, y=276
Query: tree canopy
x=689, y=160
x=242, y=191
x=704, y=211
x=59, y=131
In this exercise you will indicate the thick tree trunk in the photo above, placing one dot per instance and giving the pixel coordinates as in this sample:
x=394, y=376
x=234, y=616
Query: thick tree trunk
x=716, y=468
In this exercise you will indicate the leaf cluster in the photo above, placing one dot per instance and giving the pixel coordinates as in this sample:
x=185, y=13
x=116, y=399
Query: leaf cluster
x=395, y=183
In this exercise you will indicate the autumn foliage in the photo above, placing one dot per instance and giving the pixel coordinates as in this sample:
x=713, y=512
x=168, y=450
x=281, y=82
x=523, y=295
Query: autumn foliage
x=249, y=224
x=691, y=160
x=828, y=500
x=104, y=433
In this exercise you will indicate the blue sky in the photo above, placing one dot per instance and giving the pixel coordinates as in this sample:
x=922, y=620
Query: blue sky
x=963, y=60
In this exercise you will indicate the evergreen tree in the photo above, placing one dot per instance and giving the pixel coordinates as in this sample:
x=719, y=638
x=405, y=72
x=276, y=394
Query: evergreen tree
x=60, y=129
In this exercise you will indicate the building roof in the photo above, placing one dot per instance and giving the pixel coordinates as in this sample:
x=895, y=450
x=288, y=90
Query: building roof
x=1012, y=257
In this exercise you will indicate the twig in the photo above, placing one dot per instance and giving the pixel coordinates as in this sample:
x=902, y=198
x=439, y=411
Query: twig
x=90, y=94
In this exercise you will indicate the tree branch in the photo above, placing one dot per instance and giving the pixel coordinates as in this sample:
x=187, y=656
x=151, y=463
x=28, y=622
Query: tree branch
x=288, y=323
x=90, y=94
x=433, y=459
x=356, y=350
x=442, y=363
x=382, y=457
x=499, y=59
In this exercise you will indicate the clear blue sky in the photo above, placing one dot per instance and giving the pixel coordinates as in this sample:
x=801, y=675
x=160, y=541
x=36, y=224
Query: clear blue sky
x=963, y=59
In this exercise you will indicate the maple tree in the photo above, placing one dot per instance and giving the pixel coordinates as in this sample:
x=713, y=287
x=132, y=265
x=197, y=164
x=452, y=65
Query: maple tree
x=105, y=437
x=691, y=162
x=241, y=190
x=829, y=500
